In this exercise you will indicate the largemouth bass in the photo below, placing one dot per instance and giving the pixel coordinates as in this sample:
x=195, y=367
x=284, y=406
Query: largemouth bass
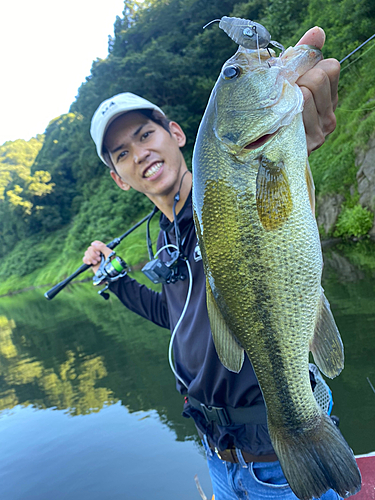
x=253, y=198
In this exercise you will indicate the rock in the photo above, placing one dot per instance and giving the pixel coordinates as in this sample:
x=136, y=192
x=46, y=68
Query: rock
x=328, y=208
x=366, y=176
x=366, y=179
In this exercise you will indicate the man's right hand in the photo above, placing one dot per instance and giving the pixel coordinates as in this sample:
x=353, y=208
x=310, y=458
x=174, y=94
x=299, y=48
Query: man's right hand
x=319, y=88
x=93, y=254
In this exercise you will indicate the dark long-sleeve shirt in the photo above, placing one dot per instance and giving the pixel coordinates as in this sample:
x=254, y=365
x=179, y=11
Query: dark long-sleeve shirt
x=196, y=360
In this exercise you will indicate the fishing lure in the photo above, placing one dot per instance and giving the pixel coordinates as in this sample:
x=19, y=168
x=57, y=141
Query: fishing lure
x=246, y=33
x=255, y=36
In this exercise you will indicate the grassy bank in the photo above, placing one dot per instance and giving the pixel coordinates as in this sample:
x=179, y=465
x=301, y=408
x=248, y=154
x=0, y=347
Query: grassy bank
x=34, y=263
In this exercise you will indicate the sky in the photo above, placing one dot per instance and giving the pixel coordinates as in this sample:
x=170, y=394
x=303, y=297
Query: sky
x=46, y=51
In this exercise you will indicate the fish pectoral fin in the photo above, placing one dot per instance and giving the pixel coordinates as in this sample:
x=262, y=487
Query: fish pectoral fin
x=230, y=353
x=326, y=345
x=273, y=197
x=310, y=186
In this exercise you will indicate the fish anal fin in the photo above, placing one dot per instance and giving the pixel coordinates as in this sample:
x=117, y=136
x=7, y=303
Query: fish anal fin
x=326, y=345
x=230, y=353
x=273, y=197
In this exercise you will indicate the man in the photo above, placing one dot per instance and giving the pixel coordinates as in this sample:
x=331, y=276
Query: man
x=142, y=150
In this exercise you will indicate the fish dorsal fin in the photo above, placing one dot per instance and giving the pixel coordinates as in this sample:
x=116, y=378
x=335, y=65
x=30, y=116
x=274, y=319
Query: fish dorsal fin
x=273, y=197
x=326, y=345
x=230, y=353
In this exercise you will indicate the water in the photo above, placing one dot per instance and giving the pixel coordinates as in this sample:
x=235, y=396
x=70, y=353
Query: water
x=88, y=406
x=111, y=454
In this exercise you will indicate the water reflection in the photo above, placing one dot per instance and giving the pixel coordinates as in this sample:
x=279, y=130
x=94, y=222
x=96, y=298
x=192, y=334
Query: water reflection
x=80, y=353
x=349, y=282
x=70, y=385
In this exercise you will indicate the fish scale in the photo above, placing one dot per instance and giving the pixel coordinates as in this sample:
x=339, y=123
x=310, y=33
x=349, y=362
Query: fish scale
x=253, y=211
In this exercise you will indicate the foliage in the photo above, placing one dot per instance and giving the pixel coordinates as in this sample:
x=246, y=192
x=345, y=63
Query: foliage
x=20, y=189
x=354, y=222
x=55, y=194
x=16, y=158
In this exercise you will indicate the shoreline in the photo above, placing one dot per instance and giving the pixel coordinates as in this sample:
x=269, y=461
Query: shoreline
x=30, y=288
x=325, y=244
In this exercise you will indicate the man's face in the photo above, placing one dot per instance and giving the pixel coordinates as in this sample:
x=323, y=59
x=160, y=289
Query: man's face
x=146, y=157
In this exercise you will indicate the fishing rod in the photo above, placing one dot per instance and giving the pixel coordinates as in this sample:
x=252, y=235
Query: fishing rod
x=359, y=47
x=112, y=244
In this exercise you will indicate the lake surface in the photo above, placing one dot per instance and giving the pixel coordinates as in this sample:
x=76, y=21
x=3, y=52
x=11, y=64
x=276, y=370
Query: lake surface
x=88, y=406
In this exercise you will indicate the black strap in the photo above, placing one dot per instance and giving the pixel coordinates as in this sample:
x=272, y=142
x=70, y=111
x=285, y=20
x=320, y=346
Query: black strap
x=255, y=414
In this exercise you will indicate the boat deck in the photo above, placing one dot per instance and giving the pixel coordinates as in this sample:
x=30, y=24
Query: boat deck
x=366, y=464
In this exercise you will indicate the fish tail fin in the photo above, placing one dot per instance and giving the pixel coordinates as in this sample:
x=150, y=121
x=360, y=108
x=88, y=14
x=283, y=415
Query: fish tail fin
x=317, y=460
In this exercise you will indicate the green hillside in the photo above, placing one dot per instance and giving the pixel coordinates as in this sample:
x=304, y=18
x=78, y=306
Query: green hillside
x=55, y=194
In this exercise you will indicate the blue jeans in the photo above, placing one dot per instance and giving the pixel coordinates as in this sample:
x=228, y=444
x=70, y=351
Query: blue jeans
x=253, y=481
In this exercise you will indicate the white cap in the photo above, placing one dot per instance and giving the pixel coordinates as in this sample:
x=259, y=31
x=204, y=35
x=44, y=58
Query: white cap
x=109, y=110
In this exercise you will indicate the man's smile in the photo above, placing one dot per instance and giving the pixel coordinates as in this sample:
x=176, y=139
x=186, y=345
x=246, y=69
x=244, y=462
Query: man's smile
x=153, y=169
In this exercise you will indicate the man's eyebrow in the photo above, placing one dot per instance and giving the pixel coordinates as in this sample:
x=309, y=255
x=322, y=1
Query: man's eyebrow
x=122, y=146
x=139, y=129
x=117, y=149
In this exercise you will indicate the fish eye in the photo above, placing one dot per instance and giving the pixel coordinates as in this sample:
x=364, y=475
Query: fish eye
x=231, y=72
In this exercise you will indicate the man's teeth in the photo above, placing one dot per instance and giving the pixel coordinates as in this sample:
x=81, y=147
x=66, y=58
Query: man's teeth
x=152, y=170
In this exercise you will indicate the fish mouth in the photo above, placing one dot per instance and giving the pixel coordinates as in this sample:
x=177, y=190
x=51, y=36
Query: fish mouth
x=260, y=141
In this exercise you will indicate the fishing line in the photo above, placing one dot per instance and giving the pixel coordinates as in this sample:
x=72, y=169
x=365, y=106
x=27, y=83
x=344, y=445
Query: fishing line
x=258, y=46
x=347, y=66
x=372, y=387
x=354, y=110
x=171, y=364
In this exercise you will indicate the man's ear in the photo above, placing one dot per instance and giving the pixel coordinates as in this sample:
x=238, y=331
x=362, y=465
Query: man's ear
x=177, y=133
x=121, y=184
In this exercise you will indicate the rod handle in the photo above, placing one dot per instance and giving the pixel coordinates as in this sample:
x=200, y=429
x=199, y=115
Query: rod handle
x=57, y=288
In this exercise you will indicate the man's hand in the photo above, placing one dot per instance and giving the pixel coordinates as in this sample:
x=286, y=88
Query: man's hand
x=319, y=87
x=93, y=254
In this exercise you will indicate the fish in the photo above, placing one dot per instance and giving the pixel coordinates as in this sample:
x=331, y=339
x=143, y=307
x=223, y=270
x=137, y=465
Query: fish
x=253, y=201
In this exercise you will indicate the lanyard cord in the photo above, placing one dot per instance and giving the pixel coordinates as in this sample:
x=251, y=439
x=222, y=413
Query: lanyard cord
x=175, y=222
x=148, y=236
x=178, y=248
x=188, y=295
